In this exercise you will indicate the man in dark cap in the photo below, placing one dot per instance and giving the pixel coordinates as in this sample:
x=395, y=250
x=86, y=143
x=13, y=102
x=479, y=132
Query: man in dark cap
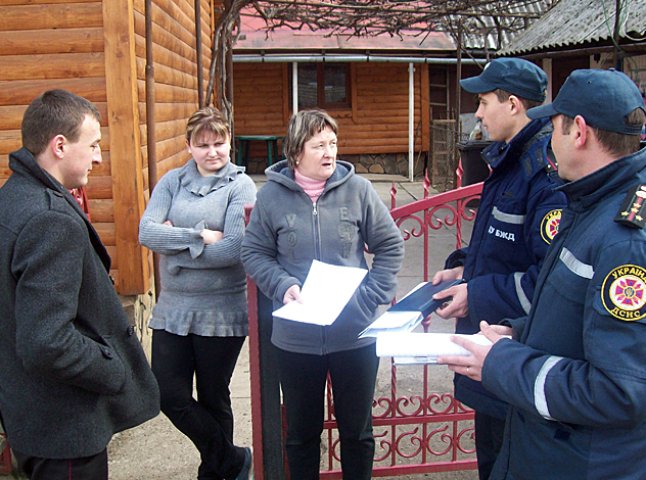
x=516, y=221
x=575, y=373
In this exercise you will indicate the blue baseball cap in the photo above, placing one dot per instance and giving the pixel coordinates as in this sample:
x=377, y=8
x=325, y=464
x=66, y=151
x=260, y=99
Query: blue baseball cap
x=514, y=75
x=603, y=97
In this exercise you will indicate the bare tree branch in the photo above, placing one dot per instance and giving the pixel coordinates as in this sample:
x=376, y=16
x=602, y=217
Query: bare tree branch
x=485, y=24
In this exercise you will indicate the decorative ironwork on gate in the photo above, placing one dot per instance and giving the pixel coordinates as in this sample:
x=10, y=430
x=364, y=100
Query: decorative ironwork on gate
x=418, y=429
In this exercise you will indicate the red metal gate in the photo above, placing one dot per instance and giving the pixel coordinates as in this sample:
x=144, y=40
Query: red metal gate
x=417, y=429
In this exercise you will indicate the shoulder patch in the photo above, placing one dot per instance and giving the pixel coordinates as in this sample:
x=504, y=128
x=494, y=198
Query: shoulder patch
x=550, y=225
x=623, y=292
x=633, y=210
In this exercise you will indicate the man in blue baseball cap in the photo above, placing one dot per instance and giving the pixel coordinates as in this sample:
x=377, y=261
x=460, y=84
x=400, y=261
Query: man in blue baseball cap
x=575, y=372
x=516, y=221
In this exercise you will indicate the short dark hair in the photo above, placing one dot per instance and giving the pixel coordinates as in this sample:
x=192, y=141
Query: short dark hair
x=55, y=112
x=302, y=127
x=613, y=142
x=504, y=95
x=207, y=119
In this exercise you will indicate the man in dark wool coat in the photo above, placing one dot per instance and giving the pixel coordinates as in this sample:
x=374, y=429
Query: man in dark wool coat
x=72, y=372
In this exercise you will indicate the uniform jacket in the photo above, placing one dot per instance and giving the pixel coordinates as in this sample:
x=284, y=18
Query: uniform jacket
x=516, y=221
x=576, y=381
x=72, y=370
x=287, y=232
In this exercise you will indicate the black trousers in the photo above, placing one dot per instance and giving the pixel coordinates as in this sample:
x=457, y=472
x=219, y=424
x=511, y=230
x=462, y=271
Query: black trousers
x=85, y=468
x=302, y=378
x=489, y=435
x=208, y=420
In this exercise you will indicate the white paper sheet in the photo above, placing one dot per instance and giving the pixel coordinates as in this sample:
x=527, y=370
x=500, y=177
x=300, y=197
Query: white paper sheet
x=415, y=347
x=326, y=291
x=392, y=322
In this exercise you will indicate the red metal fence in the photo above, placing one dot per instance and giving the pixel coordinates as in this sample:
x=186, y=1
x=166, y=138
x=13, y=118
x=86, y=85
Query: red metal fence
x=418, y=429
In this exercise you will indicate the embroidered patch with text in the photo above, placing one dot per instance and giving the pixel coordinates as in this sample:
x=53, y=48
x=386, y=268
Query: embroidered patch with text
x=550, y=225
x=623, y=292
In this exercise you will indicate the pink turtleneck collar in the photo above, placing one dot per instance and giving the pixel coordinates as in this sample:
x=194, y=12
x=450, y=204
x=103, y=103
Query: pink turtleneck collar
x=312, y=187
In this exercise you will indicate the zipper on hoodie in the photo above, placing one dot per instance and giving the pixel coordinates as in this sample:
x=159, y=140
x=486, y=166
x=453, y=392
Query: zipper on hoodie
x=317, y=246
x=317, y=231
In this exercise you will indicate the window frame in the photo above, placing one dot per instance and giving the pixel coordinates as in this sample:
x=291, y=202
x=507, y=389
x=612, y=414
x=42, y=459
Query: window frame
x=320, y=86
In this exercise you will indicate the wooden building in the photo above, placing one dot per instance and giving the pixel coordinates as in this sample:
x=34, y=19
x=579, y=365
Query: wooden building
x=387, y=93
x=98, y=49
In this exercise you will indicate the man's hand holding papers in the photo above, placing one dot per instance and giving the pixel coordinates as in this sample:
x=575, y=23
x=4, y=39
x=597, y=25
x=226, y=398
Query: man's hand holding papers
x=409, y=311
x=418, y=347
x=471, y=363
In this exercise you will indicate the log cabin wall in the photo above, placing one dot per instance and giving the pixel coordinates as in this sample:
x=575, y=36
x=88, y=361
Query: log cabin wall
x=261, y=99
x=376, y=124
x=175, y=82
x=47, y=45
x=175, y=73
x=96, y=49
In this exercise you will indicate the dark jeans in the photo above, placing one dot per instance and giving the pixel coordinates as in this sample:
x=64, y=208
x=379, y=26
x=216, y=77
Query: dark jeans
x=302, y=379
x=489, y=434
x=207, y=421
x=85, y=468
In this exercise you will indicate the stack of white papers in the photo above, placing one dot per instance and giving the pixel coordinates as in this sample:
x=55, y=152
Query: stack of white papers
x=393, y=322
x=326, y=291
x=413, y=347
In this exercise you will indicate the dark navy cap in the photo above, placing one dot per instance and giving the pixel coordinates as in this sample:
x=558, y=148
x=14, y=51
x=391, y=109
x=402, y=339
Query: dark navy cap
x=514, y=75
x=603, y=97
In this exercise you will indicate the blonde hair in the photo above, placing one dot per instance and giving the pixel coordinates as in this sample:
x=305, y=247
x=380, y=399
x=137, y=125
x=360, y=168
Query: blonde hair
x=208, y=119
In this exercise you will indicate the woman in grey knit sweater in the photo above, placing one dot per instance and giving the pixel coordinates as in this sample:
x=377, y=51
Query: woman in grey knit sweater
x=195, y=221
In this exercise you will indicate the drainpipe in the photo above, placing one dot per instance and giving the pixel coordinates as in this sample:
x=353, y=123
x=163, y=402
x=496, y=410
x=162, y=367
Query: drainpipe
x=150, y=123
x=458, y=99
x=294, y=86
x=198, y=51
x=411, y=121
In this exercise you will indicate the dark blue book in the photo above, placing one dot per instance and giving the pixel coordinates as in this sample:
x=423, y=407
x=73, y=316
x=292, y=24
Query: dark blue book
x=409, y=312
x=421, y=300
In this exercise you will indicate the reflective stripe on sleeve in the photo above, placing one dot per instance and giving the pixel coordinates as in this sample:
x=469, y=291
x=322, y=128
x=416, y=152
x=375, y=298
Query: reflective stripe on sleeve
x=540, y=399
x=525, y=302
x=507, y=217
x=575, y=265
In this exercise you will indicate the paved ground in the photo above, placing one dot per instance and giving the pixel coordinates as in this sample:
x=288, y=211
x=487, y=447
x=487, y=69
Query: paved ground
x=156, y=450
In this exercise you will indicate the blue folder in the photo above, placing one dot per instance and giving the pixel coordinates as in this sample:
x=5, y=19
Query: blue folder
x=421, y=300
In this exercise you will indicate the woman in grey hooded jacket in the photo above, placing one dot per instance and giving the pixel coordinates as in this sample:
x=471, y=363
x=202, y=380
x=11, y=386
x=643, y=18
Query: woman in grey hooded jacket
x=315, y=208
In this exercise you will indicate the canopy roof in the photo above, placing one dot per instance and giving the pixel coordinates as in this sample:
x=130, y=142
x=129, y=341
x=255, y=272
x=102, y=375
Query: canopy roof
x=386, y=24
x=574, y=23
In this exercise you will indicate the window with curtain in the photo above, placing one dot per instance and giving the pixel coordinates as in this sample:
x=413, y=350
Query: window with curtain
x=323, y=85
